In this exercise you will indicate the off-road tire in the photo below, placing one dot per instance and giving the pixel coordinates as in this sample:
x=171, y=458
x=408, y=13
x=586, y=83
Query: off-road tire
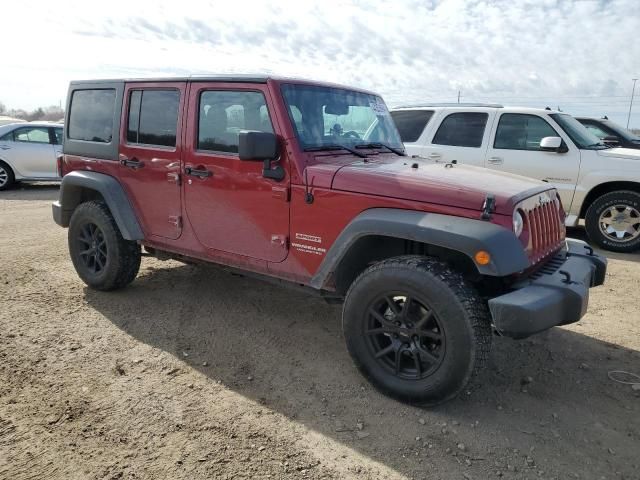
x=10, y=177
x=463, y=321
x=596, y=209
x=122, y=256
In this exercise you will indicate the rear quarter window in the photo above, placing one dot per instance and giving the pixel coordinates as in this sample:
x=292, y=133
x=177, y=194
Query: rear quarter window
x=91, y=115
x=411, y=123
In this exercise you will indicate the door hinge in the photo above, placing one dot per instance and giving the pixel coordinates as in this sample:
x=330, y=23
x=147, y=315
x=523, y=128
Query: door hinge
x=281, y=193
x=176, y=221
x=279, y=240
x=173, y=177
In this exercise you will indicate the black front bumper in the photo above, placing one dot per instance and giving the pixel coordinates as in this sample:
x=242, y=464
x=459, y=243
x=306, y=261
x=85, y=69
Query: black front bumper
x=557, y=294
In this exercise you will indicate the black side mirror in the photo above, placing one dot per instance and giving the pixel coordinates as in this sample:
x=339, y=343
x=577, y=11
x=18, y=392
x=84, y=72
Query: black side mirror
x=254, y=145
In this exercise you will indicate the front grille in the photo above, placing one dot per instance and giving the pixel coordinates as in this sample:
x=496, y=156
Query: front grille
x=544, y=221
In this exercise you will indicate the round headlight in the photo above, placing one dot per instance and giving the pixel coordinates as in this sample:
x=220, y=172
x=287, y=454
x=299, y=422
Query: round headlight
x=518, y=223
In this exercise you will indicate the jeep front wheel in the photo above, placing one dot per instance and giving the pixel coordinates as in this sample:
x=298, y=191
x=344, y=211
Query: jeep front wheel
x=416, y=329
x=103, y=259
x=612, y=221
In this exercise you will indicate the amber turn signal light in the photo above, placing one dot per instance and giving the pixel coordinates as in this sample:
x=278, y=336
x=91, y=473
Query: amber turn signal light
x=482, y=258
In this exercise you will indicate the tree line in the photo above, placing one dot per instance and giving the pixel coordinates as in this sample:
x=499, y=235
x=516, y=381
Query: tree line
x=52, y=113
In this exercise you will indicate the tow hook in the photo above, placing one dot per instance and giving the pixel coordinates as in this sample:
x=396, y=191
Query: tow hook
x=589, y=250
x=567, y=276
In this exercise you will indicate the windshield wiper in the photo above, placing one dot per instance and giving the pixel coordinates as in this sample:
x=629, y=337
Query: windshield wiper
x=382, y=145
x=599, y=144
x=320, y=148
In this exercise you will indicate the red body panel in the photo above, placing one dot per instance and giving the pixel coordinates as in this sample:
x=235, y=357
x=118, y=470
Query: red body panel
x=237, y=217
x=154, y=189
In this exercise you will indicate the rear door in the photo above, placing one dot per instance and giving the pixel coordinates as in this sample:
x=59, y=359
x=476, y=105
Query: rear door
x=231, y=206
x=30, y=152
x=515, y=148
x=150, y=154
x=459, y=135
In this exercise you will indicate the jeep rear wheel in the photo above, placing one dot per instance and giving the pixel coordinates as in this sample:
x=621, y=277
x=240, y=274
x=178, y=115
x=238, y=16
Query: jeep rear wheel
x=416, y=329
x=612, y=221
x=103, y=259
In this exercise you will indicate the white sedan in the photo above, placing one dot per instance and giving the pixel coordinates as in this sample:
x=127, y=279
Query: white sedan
x=28, y=152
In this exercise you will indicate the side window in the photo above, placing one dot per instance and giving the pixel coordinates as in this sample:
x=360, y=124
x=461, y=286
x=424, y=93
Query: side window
x=91, y=115
x=153, y=117
x=59, y=135
x=463, y=129
x=223, y=114
x=7, y=137
x=31, y=135
x=411, y=123
x=518, y=131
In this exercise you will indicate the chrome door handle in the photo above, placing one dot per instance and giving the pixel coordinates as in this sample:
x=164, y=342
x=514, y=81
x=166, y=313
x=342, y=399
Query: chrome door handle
x=495, y=160
x=434, y=156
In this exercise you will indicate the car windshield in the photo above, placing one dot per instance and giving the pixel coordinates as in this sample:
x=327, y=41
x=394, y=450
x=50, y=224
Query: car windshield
x=577, y=132
x=326, y=117
x=623, y=132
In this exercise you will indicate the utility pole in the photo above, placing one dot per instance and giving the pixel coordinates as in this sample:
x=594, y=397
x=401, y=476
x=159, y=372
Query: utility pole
x=459, y=94
x=633, y=90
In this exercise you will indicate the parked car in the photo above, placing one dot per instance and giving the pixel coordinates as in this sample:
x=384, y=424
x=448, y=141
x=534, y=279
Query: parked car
x=285, y=180
x=596, y=183
x=610, y=132
x=28, y=152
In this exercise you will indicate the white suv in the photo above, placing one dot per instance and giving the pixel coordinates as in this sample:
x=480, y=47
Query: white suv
x=596, y=182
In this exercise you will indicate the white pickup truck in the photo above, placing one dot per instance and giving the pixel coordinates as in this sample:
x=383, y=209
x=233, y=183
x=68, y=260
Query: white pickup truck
x=596, y=183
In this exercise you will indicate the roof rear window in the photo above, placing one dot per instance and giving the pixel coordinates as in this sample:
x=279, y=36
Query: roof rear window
x=411, y=123
x=91, y=115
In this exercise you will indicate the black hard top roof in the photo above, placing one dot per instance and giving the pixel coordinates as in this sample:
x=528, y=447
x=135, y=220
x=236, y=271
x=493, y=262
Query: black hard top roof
x=245, y=78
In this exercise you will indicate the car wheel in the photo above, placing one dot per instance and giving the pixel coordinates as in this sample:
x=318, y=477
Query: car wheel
x=416, y=329
x=103, y=259
x=7, y=178
x=612, y=221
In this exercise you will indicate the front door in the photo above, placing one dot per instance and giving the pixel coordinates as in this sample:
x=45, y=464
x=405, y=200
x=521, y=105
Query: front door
x=515, y=148
x=150, y=154
x=230, y=205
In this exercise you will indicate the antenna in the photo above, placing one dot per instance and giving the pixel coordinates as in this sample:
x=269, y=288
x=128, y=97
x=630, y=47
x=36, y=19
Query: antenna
x=308, y=196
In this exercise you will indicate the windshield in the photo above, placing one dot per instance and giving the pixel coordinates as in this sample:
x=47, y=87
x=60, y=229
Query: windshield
x=623, y=132
x=577, y=132
x=328, y=116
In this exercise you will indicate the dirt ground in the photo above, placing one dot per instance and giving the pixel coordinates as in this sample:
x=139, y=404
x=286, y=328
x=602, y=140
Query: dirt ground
x=194, y=373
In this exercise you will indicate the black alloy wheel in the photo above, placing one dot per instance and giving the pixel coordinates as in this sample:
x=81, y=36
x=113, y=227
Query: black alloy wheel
x=405, y=336
x=92, y=247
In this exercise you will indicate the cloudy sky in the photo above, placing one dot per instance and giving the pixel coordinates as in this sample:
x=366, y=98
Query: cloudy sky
x=579, y=55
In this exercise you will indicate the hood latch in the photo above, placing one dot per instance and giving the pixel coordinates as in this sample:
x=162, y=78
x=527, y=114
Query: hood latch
x=488, y=207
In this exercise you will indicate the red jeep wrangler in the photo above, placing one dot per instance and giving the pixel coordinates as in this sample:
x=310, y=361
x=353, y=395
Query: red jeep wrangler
x=309, y=183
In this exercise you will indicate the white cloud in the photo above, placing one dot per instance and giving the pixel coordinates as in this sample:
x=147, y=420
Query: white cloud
x=579, y=55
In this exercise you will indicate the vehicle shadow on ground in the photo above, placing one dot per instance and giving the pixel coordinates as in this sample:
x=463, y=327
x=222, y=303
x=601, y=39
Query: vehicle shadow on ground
x=32, y=191
x=285, y=350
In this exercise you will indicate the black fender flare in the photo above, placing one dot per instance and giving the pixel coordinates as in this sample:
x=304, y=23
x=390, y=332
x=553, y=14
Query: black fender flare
x=71, y=195
x=464, y=235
